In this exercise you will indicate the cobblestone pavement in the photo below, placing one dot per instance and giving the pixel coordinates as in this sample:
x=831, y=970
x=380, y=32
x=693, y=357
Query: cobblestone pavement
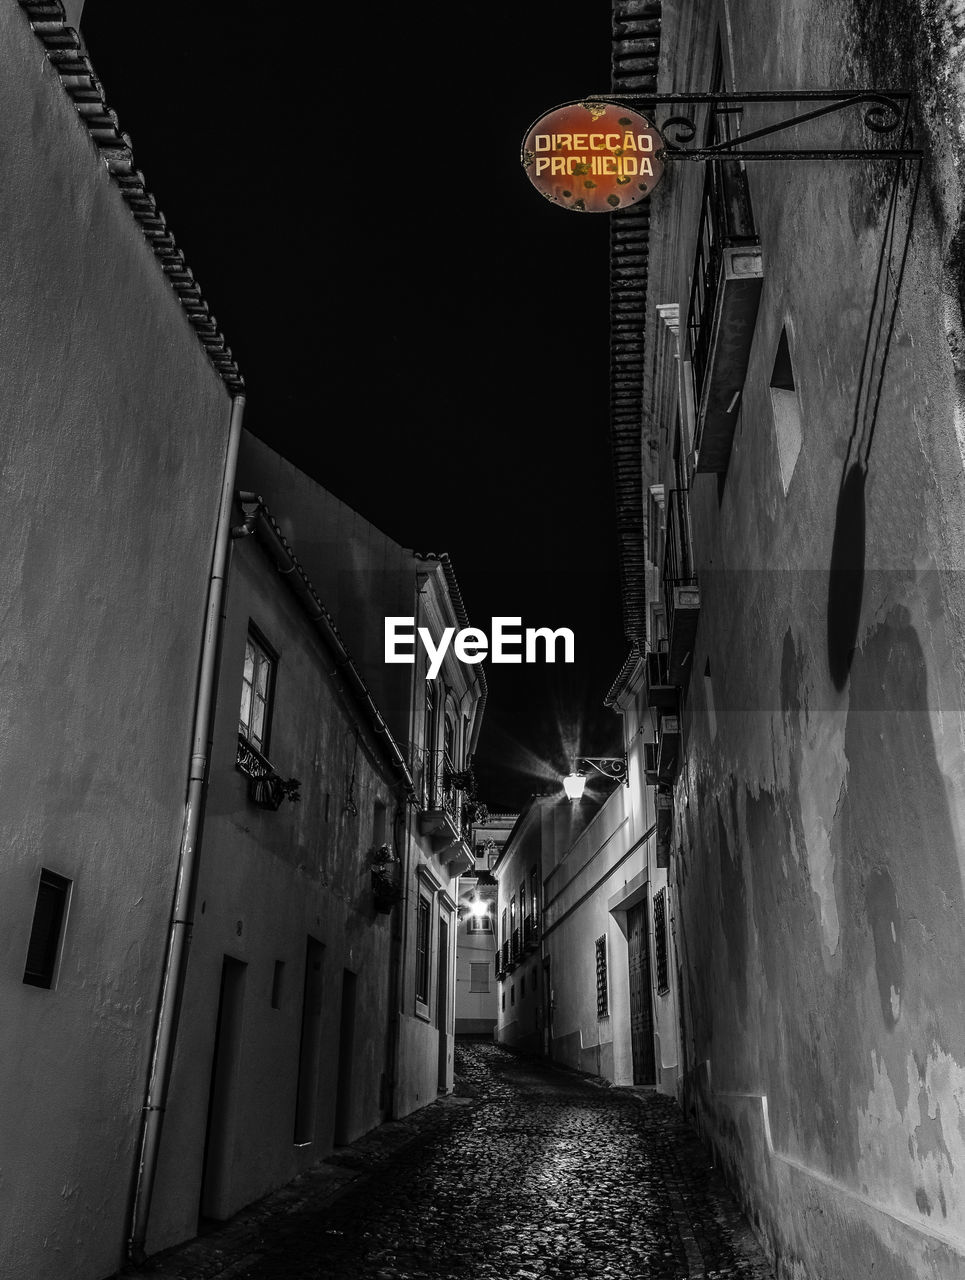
x=535, y=1174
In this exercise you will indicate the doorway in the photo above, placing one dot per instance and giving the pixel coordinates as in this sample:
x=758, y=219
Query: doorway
x=442, y=1003
x=346, y=1064
x=222, y=1095
x=641, y=1000
x=306, y=1096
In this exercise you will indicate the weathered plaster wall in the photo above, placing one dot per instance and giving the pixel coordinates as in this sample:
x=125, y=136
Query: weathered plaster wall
x=269, y=880
x=111, y=453
x=821, y=867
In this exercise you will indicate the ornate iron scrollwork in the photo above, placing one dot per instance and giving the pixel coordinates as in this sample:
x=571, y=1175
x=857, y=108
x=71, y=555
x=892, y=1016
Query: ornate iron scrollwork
x=883, y=113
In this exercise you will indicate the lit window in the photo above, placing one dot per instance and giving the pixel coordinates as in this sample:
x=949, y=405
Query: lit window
x=478, y=977
x=50, y=911
x=479, y=924
x=256, y=690
x=602, y=997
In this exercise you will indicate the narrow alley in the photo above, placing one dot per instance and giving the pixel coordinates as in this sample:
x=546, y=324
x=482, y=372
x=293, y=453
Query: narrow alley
x=527, y=1172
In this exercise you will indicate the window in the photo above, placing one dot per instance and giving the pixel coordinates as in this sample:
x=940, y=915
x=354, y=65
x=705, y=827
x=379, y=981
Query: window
x=512, y=993
x=50, y=910
x=602, y=997
x=502, y=1003
x=505, y=935
x=479, y=924
x=478, y=976
x=786, y=409
x=256, y=692
x=522, y=900
x=422, y=952
x=660, y=941
x=534, y=894
x=522, y=986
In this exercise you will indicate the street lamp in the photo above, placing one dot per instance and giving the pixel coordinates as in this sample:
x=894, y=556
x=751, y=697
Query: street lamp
x=614, y=767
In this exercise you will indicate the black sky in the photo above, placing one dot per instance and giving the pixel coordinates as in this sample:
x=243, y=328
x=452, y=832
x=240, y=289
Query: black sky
x=417, y=328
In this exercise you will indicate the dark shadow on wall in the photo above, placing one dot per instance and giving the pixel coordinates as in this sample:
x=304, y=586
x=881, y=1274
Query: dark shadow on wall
x=846, y=576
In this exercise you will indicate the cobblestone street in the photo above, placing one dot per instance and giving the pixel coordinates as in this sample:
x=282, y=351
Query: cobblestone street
x=531, y=1173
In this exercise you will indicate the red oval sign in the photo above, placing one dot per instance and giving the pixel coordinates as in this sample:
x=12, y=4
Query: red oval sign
x=593, y=157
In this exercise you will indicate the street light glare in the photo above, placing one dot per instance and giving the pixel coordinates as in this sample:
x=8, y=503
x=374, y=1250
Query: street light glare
x=573, y=786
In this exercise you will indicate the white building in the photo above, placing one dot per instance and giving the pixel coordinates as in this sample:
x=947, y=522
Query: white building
x=477, y=994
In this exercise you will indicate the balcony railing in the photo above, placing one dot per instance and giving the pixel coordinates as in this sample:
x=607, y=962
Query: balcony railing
x=266, y=788
x=724, y=296
x=505, y=957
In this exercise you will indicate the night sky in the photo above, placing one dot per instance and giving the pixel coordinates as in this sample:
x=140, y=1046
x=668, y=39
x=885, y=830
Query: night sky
x=418, y=329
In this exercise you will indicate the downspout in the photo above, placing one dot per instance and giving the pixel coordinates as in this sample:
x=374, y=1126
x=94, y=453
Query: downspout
x=179, y=935
x=401, y=938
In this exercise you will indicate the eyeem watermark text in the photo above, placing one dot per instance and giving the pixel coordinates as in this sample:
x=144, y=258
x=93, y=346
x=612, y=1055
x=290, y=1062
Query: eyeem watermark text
x=470, y=645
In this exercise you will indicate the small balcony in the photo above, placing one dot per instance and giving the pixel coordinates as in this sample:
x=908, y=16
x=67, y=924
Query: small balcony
x=266, y=787
x=650, y=763
x=441, y=816
x=661, y=692
x=724, y=298
x=668, y=749
x=681, y=589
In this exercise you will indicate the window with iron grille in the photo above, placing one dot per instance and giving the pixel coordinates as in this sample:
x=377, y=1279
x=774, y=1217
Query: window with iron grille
x=257, y=683
x=602, y=996
x=478, y=976
x=422, y=952
x=660, y=941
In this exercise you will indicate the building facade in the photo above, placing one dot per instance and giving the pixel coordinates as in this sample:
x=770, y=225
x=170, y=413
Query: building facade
x=108, y=384
x=290, y=1001
x=234, y=832
x=364, y=577
x=477, y=993
x=787, y=363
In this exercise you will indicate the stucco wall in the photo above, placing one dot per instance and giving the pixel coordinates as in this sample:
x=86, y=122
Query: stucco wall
x=821, y=866
x=269, y=881
x=112, y=447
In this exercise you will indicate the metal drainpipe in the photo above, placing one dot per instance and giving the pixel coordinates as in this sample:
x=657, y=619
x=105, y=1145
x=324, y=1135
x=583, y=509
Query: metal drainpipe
x=409, y=828
x=179, y=936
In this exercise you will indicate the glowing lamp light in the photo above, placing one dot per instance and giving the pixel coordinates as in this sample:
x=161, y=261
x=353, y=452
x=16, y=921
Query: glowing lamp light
x=478, y=908
x=573, y=786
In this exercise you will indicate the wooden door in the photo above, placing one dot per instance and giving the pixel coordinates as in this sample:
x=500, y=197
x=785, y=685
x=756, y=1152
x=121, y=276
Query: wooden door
x=641, y=1004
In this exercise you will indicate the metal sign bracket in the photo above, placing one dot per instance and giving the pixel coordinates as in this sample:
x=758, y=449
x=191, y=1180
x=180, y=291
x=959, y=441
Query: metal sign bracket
x=884, y=114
